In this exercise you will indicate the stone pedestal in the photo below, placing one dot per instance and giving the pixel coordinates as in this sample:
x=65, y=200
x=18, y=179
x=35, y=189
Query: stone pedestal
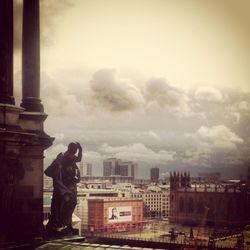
x=9, y=116
x=22, y=143
x=22, y=136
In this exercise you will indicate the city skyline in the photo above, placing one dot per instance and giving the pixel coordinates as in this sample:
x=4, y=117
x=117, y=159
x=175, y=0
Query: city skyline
x=161, y=83
x=106, y=85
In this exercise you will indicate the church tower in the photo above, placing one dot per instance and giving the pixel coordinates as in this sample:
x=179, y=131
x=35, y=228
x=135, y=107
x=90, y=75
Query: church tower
x=174, y=181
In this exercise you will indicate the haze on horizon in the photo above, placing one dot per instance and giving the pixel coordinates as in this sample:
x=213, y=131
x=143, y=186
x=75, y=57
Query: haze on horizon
x=162, y=83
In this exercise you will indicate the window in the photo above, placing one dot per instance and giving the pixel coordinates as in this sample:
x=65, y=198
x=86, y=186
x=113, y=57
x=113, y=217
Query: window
x=190, y=205
x=200, y=206
x=181, y=205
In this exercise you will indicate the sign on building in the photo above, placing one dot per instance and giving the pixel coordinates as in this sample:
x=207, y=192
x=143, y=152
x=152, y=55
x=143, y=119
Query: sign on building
x=119, y=214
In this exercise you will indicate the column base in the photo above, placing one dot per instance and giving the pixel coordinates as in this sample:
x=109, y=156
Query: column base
x=32, y=104
x=9, y=116
x=32, y=121
x=22, y=145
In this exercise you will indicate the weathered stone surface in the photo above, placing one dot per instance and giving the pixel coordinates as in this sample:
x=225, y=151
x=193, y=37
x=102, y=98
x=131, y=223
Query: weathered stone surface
x=22, y=136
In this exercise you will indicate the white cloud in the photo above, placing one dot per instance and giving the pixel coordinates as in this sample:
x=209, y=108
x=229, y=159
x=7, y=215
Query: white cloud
x=92, y=157
x=219, y=136
x=160, y=95
x=115, y=94
x=58, y=99
x=209, y=94
x=244, y=106
x=158, y=89
x=139, y=152
x=154, y=135
x=50, y=11
x=148, y=134
x=53, y=151
x=59, y=136
x=210, y=146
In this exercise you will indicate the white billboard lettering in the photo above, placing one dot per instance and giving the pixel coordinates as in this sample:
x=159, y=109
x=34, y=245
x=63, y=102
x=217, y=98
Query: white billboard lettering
x=119, y=214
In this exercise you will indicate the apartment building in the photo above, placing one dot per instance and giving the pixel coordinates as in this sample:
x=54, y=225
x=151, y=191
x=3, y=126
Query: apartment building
x=156, y=203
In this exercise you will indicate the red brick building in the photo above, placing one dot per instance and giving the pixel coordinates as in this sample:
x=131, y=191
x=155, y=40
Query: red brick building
x=115, y=215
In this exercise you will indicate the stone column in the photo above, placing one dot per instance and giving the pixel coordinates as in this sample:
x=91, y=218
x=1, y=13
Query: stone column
x=23, y=140
x=31, y=57
x=6, y=52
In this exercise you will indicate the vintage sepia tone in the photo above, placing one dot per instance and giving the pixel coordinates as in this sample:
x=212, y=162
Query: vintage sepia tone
x=124, y=124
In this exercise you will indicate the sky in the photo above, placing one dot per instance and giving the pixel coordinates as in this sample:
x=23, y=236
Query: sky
x=159, y=82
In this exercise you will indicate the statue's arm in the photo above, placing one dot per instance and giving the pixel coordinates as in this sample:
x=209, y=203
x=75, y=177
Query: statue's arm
x=78, y=176
x=62, y=188
x=79, y=155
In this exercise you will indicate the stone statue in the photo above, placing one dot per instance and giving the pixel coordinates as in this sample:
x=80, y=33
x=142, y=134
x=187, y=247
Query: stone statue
x=66, y=175
x=70, y=177
x=59, y=191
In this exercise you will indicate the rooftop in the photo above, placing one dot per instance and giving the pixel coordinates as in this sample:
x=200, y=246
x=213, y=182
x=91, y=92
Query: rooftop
x=82, y=246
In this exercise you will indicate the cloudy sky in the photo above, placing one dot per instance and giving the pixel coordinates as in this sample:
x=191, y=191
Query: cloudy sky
x=163, y=83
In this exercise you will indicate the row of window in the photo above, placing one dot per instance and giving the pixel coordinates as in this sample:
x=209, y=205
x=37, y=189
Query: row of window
x=149, y=196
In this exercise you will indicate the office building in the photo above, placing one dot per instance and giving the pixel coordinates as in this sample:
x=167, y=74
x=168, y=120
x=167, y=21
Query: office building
x=112, y=179
x=154, y=174
x=85, y=169
x=156, y=203
x=111, y=167
x=116, y=167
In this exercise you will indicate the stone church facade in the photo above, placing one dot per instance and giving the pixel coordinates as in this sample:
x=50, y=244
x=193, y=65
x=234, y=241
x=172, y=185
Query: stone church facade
x=215, y=205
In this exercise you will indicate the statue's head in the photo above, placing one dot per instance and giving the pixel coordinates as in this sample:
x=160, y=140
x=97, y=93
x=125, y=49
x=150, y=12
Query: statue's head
x=72, y=148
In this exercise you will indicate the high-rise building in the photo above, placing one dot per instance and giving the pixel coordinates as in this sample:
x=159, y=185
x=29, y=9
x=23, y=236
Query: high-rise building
x=114, y=166
x=111, y=167
x=85, y=169
x=128, y=168
x=154, y=174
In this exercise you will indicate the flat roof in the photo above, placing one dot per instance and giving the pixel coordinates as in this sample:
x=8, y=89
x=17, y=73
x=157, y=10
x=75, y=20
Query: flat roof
x=81, y=246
